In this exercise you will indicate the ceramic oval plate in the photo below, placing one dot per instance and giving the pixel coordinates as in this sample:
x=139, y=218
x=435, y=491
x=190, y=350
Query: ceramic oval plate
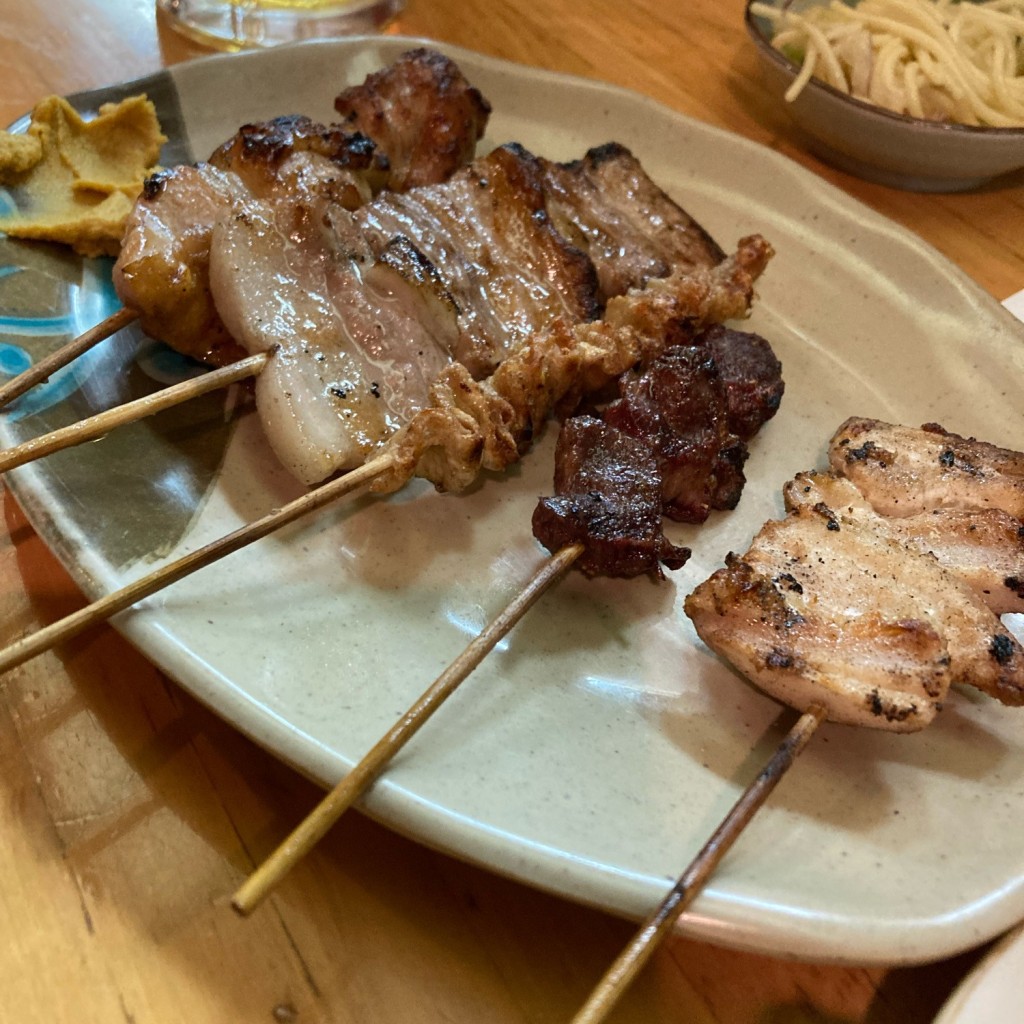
x=596, y=749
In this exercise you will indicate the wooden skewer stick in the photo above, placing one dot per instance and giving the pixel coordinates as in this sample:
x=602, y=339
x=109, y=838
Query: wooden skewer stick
x=42, y=370
x=618, y=977
x=102, y=423
x=28, y=647
x=313, y=828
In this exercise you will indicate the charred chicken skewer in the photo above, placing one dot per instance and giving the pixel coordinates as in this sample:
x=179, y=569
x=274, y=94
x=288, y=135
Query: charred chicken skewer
x=612, y=490
x=854, y=602
x=807, y=613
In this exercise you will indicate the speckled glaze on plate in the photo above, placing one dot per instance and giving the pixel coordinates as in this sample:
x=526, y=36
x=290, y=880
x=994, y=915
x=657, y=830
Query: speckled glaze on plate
x=598, y=746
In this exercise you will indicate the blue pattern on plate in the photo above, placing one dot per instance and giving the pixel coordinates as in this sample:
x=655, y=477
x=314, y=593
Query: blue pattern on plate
x=84, y=304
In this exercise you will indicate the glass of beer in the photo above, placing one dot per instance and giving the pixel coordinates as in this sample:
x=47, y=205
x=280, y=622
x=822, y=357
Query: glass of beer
x=245, y=24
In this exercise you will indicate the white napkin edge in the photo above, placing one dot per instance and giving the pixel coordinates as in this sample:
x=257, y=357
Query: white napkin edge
x=1015, y=304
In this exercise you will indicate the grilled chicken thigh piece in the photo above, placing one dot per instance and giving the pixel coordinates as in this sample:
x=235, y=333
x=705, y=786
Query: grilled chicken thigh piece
x=825, y=608
x=905, y=470
x=983, y=547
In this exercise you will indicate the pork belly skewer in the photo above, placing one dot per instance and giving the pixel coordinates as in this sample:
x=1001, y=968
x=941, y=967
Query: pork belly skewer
x=465, y=425
x=605, y=521
x=852, y=616
x=327, y=334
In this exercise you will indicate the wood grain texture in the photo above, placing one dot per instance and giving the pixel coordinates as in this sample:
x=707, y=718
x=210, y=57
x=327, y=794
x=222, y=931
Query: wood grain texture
x=129, y=813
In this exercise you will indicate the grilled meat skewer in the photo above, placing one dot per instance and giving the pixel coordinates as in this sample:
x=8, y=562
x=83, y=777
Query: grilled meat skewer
x=663, y=446
x=361, y=321
x=860, y=617
x=422, y=113
x=903, y=470
x=608, y=498
x=876, y=615
x=606, y=479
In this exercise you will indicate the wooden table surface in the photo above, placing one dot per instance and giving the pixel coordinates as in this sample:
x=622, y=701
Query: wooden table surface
x=129, y=813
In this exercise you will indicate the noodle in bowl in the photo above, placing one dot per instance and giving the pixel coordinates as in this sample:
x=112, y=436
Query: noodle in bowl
x=906, y=65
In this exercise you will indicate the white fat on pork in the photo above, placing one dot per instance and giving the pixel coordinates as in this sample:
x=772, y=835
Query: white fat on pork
x=355, y=342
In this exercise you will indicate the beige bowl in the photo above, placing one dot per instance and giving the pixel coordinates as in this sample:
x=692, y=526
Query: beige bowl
x=892, y=149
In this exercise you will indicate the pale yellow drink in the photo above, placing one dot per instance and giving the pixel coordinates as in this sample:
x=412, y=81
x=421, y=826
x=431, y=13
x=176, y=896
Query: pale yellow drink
x=242, y=24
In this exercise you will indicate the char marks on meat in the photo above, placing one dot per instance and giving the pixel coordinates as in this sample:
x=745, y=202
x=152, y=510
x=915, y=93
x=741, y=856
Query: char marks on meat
x=468, y=426
x=356, y=341
x=609, y=499
x=984, y=547
x=883, y=588
x=633, y=231
x=823, y=606
x=664, y=448
x=378, y=302
x=678, y=406
x=487, y=234
x=422, y=113
x=750, y=374
x=258, y=152
x=781, y=614
x=162, y=272
x=903, y=470
x=690, y=406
